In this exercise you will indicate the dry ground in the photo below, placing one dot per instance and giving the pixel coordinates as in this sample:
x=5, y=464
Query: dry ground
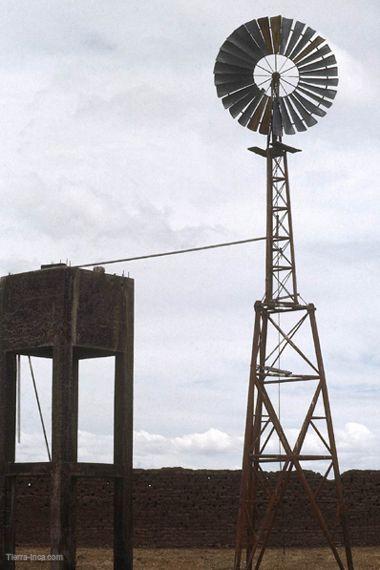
x=275, y=559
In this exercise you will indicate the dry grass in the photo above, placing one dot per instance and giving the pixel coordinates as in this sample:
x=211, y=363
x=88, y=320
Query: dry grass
x=180, y=559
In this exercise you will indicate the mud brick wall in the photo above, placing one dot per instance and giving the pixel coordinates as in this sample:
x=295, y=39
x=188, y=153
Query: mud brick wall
x=185, y=508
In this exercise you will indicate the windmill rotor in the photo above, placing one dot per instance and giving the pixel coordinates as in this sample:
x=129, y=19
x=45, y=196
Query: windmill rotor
x=279, y=51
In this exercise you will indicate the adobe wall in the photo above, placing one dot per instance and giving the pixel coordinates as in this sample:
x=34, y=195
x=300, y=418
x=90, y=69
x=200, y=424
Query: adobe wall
x=185, y=508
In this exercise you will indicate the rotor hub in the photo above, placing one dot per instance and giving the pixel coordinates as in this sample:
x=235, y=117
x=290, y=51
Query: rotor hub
x=276, y=76
x=278, y=71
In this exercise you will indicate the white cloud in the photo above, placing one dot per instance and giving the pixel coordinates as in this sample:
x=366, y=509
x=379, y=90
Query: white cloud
x=213, y=441
x=212, y=449
x=209, y=449
x=357, y=83
x=355, y=438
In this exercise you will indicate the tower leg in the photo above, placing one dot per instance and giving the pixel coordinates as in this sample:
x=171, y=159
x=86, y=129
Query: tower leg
x=258, y=422
x=7, y=455
x=250, y=470
x=338, y=480
x=64, y=452
x=62, y=513
x=123, y=451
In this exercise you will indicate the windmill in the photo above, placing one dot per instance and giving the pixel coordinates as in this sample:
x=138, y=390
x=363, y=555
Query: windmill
x=277, y=76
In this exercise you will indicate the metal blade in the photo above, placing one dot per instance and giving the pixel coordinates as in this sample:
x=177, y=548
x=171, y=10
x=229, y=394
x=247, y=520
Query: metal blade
x=286, y=121
x=325, y=82
x=243, y=40
x=225, y=57
x=298, y=123
x=235, y=97
x=330, y=93
x=236, y=109
x=254, y=31
x=324, y=62
x=223, y=90
x=246, y=116
x=254, y=122
x=221, y=79
x=320, y=100
x=237, y=52
x=294, y=37
x=275, y=23
x=306, y=36
x=277, y=120
x=265, y=30
x=266, y=118
x=308, y=105
x=301, y=57
x=228, y=68
x=328, y=72
x=285, y=31
x=307, y=117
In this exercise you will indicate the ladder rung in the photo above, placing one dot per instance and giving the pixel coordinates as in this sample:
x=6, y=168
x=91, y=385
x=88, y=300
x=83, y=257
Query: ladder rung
x=294, y=379
x=273, y=458
x=282, y=268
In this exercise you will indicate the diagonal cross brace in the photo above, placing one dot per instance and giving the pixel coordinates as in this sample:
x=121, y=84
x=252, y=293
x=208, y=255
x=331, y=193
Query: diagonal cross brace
x=294, y=460
x=289, y=340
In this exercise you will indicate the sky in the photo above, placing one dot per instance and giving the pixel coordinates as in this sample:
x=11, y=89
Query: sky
x=114, y=144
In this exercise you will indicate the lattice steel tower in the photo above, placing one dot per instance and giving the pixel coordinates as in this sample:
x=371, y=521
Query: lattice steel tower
x=275, y=75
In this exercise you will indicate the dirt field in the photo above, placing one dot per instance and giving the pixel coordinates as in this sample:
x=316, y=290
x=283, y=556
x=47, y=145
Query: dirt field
x=275, y=559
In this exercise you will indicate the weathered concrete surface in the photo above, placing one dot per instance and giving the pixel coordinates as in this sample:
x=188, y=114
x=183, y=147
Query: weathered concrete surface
x=66, y=314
